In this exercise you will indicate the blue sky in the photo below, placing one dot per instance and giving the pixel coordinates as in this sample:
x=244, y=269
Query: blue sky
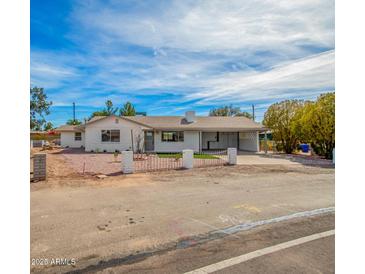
x=167, y=57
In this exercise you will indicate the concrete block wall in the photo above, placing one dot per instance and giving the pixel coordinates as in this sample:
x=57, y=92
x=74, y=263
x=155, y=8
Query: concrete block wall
x=232, y=155
x=39, y=166
x=127, y=162
x=188, y=158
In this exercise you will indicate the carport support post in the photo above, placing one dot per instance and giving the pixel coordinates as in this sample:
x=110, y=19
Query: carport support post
x=232, y=155
x=265, y=142
x=127, y=162
x=188, y=158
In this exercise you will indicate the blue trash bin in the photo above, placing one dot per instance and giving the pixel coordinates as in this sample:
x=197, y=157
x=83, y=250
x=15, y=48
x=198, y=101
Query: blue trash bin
x=304, y=147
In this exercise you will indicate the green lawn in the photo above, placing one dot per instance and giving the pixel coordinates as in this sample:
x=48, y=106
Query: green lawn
x=179, y=155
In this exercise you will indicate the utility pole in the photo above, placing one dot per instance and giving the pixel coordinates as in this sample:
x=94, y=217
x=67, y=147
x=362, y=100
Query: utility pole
x=73, y=106
x=253, y=112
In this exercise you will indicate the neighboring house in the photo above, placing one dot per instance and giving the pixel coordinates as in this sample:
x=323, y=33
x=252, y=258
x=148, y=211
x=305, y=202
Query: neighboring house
x=163, y=133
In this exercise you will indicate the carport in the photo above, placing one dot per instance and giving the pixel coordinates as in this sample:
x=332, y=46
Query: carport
x=245, y=141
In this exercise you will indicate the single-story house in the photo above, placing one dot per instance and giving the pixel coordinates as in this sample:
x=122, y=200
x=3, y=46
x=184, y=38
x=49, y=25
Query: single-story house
x=162, y=133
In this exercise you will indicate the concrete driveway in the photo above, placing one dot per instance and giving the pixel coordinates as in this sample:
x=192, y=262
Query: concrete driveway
x=251, y=158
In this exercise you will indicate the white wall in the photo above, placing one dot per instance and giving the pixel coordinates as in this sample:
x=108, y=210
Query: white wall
x=226, y=140
x=249, y=141
x=93, y=135
x=68, y=140
x=191, y=141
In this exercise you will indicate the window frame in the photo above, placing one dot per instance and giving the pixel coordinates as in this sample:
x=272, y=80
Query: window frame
x=78, y=138
x=108, y=133
x=179, y=136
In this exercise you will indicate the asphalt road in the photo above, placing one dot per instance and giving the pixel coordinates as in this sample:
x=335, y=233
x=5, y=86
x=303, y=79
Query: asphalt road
x=317, y=256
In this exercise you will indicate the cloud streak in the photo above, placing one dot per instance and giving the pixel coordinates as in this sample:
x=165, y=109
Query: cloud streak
x=174, y=55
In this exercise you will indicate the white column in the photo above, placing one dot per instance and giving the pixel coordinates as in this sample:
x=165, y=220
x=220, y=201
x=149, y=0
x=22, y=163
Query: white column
x=232, y=155
x=188, y=158
x=31, y=144
x=257, y=142
x=333, y=156
x=127, y=162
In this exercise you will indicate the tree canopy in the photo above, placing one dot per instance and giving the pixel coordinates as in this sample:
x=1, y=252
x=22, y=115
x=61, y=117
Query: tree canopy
x=48, y=126
x=106, y=111
x=293, y=122
x=280, y=119
x=39, y=107
x=229, y=111
x=73, y=122
x=127, y=110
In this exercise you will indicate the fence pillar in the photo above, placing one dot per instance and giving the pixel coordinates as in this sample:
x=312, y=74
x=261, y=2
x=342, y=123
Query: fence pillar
x=127, y=162
x=232, y=155
x=39, y=166
x=188, y=158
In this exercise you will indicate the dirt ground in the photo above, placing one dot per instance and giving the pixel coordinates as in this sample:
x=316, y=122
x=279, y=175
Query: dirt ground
x=76, y=168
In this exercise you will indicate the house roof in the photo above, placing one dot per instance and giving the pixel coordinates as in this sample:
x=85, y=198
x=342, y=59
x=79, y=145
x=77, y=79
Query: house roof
x=208, y=123
x=211, y=123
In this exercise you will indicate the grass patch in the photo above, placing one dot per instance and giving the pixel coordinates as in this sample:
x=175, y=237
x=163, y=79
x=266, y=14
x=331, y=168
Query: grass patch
x=179, y=155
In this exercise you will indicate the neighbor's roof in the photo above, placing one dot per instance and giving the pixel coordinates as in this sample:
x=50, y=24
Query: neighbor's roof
x=201, y=123
x=71, y=128
x=209, y=123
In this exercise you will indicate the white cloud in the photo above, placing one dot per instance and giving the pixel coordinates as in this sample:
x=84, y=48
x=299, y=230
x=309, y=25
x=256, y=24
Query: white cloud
x=210, y=51
x=289, y=79
x=218, y=25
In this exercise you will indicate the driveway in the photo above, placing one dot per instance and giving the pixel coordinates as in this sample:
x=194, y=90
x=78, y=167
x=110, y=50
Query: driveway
x=124, y=215
x=250, y=158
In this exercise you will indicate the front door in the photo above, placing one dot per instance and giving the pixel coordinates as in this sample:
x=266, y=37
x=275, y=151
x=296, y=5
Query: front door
x=149, y=143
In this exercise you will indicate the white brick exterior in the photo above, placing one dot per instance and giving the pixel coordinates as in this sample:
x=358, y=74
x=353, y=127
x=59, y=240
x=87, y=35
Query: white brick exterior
x=68, y=140
x=127, y=130
x=194, y=140
x=191, y=141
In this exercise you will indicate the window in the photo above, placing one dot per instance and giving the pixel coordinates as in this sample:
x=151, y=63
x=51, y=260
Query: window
x=110, y=135
x=172, y=136
x=115, y=135
x=77, y=136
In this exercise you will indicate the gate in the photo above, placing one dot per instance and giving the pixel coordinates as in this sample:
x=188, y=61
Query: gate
x=211, y=158
x=144, y=162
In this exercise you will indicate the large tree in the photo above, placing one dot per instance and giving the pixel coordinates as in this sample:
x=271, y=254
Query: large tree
x=244, y=114
x=39, y=107
x=107, y=111
x=48, y=126
x=229, y=111
x=280, y=118
x=127, y=110
x=73, y=122
x=315, y=124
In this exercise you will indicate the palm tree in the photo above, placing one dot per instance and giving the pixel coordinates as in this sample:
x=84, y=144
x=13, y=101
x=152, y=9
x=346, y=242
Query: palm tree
x=128, y=110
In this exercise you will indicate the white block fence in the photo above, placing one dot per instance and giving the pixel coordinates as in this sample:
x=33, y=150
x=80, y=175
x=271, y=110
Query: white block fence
x=232, y=155
x=127, y=162
x=188, y=158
